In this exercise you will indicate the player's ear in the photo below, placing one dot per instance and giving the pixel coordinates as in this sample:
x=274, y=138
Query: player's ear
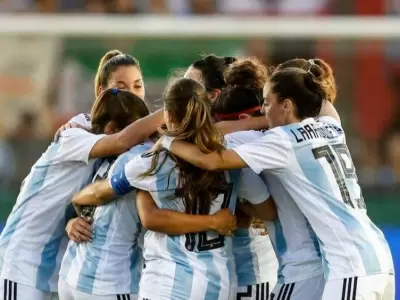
x=244, y=116
x=287, y=105
x=111, y=128
x=214, y=94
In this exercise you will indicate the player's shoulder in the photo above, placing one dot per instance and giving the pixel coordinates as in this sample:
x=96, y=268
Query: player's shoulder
x=82, y=119
x=276, y=134
x=129, y=155
x=163, y=171
x=330, y=121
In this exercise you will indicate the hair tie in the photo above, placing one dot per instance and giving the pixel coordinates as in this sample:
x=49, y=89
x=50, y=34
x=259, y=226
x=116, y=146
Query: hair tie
x=312, y=63
x=115, y=91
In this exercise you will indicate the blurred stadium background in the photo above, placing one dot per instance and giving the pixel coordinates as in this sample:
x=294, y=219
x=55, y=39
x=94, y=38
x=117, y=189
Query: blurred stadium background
x=50, y=50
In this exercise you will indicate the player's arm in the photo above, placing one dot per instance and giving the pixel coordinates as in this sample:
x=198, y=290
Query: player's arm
x=135, y=133
x=264, y=211
x=258, y=202
x=119, y=184
x=95, y=194
x=178, y=223
x=328, y=110
x=271, y=152
x=255, y=123
x=226, y=159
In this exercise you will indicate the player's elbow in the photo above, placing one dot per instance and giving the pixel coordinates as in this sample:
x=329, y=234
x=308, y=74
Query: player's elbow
x=149, y=221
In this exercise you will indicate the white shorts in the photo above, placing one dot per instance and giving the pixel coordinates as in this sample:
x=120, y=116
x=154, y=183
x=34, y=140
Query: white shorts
x=309, y=289
x=259, y=291
x=374, y=287
x=10, y=290
x=67, y=292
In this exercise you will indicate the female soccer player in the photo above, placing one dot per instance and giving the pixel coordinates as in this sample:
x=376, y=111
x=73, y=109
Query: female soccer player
x=33, y=240
x=209, y=72
x=191, y=266
x=310, y=160
x=115, y=70
x=300, y=266
x=110, y=265
x=255, y=261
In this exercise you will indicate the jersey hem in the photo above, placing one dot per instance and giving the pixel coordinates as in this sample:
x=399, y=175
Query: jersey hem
x=8, y=276
x=96, y=292
x=349, y=275
x=295, y=279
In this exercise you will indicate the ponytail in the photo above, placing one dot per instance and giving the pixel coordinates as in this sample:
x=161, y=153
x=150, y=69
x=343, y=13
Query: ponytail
x=103, y=61
x=187, y=104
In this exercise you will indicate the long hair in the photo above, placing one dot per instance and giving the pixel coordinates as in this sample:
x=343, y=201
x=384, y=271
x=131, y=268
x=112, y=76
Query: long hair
x=189, y=108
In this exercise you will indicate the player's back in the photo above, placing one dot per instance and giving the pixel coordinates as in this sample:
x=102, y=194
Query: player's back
x=191, y=266
x=320, y=177
x=33, y=240
x=111, y=263
x=294, y=242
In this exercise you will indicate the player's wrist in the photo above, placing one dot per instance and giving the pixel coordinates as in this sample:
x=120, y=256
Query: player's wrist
x=212, y=223
x=167, y=141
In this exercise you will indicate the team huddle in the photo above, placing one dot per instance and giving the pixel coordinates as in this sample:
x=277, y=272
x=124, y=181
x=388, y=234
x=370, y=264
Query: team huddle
x=240, y=188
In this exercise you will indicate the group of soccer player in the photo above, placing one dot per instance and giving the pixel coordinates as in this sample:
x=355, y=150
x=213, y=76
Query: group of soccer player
x=175, y=205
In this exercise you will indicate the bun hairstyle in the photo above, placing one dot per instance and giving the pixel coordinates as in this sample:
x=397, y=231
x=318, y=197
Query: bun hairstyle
x=212, y=69
x=322, y=70
x=249, y=72
x=108, y=64
x=245, y=79
x=304, y=88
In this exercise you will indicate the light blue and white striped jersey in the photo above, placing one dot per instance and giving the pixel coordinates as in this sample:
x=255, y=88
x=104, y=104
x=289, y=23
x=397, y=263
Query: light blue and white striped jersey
x=33, y=241
x=311, y=162
x=294, y=241
x=191, y=266
x=112, y=263
x=254, y=257
x=82, y=119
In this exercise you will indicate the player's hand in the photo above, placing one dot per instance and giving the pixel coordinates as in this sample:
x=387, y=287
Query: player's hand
x=224, y=222
x=260, y=224
x=68, y=126
x=79, y=230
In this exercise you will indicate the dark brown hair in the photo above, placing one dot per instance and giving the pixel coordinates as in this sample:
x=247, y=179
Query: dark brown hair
x=212, y=70
x=302, y=87
x=119, y=106
x=187, y=104
x=109, y=63
x=245, y=80
x=320, y=68
x=249, y=72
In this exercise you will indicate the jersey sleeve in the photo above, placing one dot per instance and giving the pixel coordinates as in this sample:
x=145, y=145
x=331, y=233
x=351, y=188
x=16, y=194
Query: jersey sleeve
x=75, y=144
x=271, y=152
x=241, y=137
x=130, y=177
x=81, y=119
x=251, y=187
